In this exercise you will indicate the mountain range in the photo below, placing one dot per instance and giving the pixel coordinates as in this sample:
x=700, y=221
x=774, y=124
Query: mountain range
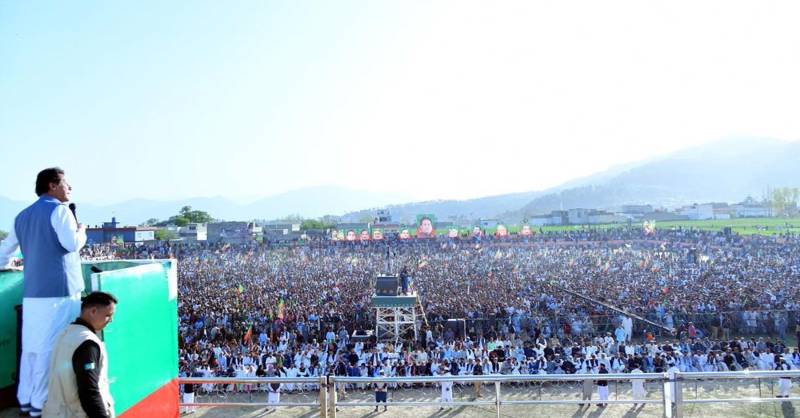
x=311, y=202
x=723, y=171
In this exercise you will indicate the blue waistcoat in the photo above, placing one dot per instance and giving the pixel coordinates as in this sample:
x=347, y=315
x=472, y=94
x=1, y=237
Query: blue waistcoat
x=50, y=270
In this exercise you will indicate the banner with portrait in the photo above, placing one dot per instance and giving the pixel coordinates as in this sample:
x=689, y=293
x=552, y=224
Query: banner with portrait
x=425, y=226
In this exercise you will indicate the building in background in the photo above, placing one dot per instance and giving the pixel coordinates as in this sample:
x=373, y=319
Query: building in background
x=233, y=232
x=112, y=232
x=193, y=232
x=698, y=212
x=750, y=208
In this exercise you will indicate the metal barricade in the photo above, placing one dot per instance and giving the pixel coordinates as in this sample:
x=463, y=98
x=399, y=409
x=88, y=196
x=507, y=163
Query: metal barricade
x=681, y=378
x=497, y=380
x=673, y=406
x=322, y=381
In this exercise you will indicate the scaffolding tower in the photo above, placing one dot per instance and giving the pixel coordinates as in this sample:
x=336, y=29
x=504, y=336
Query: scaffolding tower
x=397, y=317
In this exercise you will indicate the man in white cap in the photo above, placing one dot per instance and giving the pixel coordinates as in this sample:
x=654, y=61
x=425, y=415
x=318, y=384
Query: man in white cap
x=602, y=386
x=273, y=389
x=672, y=373
x=785, y=382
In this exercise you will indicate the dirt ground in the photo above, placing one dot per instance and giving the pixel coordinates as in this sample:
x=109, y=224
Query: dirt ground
x=703, y=390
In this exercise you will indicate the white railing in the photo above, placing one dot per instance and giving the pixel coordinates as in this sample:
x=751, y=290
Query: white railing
x=497, y=380
x=329, y=403
x=257, y=382
x=681, y=378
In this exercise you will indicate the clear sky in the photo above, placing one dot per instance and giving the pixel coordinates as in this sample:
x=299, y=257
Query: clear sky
x=444, y=99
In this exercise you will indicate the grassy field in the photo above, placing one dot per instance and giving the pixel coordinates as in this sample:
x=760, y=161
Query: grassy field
x=744, y=226
x=764, y=226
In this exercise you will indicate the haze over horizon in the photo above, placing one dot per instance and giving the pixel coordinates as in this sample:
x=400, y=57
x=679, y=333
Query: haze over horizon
x=423, y=101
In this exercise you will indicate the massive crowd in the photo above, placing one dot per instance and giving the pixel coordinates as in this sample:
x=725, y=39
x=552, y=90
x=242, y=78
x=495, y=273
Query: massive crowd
x=255, y=310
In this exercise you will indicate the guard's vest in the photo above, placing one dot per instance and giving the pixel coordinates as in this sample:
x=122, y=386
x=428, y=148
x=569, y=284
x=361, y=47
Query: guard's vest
x=62, y=396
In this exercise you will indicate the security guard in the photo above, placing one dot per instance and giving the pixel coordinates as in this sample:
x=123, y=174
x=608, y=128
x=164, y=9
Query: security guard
x=78, y=385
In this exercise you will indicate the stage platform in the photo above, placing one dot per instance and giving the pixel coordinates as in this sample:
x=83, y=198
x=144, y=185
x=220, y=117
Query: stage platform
x=394, y=301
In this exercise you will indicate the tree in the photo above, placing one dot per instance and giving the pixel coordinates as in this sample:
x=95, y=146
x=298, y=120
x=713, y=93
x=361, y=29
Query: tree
x=184, y=217
x=165, y=235
x=194, y=216
x=311, y=224
x=179, y=220
x=292, y=219
x=783, y=200
x=330, y=219
x=3, y=235
x=315, y=224
x=150, y=222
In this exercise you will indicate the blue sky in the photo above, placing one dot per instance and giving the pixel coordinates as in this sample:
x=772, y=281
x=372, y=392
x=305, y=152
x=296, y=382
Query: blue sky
x=424, y=99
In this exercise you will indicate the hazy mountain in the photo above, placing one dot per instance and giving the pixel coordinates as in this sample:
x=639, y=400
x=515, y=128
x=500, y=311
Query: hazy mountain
x=307, y=202
x=724, y=171
x=446, y=210
x=316, y=202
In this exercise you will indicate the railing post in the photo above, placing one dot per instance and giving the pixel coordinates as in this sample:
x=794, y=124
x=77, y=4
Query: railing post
x=666, y=396
x=323, y=396
x=678, y=396
x=332, y=396
x=497, y=397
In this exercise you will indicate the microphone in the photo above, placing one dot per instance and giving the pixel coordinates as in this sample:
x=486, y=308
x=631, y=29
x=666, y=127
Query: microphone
x=72, y=207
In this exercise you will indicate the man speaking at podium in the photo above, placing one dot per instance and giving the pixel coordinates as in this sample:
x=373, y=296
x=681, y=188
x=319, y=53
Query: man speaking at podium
x=50, y=239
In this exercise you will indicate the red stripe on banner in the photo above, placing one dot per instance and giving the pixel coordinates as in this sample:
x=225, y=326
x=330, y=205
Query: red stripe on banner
x=163, y=402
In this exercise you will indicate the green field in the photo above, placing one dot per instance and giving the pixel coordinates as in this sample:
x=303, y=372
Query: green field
x=744, y=226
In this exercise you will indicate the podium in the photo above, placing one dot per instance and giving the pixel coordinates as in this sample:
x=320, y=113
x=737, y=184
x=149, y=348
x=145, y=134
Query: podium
x=141, y=341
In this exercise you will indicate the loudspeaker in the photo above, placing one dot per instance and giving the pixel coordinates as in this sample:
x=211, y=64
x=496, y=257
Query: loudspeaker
x=691, y=256
x=457, y=326
x=386, y=286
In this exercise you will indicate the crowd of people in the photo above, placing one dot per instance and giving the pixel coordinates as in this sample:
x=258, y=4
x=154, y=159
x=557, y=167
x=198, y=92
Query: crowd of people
x=529, y=305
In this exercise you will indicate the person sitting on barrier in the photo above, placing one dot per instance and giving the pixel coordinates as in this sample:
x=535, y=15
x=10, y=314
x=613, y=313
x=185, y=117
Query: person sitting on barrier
x=380, y=392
